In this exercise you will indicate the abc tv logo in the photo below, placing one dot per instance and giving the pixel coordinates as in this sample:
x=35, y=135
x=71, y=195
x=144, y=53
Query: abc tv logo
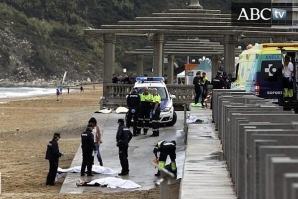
x=266, y=14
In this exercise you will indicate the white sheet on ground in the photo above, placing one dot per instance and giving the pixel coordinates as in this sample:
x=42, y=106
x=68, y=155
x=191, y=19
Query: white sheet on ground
x=113, y=182
x=121, y=109
x=196, y=119
x=104, y=110
x=60, y=175
x=95, y=168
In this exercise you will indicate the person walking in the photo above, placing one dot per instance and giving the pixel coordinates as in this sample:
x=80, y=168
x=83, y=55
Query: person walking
x=82, y=89
x=155, y=113
x=165, y=149
x=97, y=138
x=57, y=94
x=133, y=102
x=53, y=154
x=87, y=141
x=198, y=82
x=123, y=137
x=144, y=113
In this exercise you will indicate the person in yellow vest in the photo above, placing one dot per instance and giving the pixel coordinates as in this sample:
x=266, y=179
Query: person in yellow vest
x=155, y=113
x=165, y=149
x=144, y=112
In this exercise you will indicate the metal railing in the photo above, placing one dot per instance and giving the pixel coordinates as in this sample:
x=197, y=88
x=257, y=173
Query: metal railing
x=183, y=93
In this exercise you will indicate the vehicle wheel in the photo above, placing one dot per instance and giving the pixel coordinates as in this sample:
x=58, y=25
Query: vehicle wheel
x=296, y=110
x=173, y=122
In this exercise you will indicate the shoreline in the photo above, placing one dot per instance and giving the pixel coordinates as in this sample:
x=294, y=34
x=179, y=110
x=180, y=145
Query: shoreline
x=47, y=84
x=34, y=96
x=22, y=152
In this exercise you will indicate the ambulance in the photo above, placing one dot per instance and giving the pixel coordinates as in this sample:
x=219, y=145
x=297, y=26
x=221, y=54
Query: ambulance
x=259, y=71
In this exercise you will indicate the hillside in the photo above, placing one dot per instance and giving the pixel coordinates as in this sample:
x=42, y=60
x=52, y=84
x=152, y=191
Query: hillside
x=41, y=39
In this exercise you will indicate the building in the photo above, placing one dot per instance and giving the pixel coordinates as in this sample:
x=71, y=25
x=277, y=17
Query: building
x=292, y=18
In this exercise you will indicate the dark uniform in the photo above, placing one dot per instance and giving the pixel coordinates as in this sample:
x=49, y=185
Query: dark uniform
x=205, y=83
x=197, y=82
x=133, y=102
x=87, y=140
x=218, y=83
x=227, y=80
x=144, y=112
x=53, y=154
x=155, y=115
x=166, y=148
x=123, y=137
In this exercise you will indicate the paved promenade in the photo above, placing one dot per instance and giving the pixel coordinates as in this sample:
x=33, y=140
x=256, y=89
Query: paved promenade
x=140, y=156
x=205, y=173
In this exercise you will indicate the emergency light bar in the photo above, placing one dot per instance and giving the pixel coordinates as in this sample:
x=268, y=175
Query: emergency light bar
x=150, y=79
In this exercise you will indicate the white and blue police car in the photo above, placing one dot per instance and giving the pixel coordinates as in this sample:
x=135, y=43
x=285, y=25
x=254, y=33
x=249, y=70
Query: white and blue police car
x=167, y=115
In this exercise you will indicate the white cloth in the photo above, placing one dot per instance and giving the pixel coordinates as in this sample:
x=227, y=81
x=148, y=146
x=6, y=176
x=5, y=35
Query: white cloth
x=287, y=71
x=104, y=110
x=95, y=168
x=60, y=175
x=121, y=110
x=113, y=182
x=195, y=119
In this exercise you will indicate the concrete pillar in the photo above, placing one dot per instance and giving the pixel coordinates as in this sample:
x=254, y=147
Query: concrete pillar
x=195, y=4
x=109, y=60
x=140, y=65
x=158, y=46
x=170, y=69
x=229, y=53
x=214, y=60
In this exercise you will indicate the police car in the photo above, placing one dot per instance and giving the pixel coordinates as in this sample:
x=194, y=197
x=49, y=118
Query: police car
x=167, y=115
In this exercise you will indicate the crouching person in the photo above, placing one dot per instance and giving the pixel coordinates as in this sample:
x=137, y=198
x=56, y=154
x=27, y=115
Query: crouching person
x=165, y=149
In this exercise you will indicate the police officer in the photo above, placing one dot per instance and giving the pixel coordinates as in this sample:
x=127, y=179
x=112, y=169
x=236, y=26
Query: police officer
x=155, y=113
x=123, y=137
x=133, y=102
x=166, y=148
x=198, y=82
x=87, y=140
x=144, y=113
x=218, y=83
x=53, y=154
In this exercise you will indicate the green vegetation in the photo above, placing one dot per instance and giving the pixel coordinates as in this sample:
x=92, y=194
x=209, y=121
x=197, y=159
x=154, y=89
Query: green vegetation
x=46, y=37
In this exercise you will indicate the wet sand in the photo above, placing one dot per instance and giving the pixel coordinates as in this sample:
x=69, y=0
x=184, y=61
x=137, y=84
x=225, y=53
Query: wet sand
x=22, y=152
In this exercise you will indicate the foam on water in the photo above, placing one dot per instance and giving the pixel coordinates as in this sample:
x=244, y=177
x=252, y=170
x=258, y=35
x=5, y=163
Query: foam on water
x=19, y=92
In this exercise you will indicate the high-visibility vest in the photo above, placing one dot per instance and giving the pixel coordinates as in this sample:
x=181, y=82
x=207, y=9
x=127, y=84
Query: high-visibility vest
x=156, y=98
x=145, y=97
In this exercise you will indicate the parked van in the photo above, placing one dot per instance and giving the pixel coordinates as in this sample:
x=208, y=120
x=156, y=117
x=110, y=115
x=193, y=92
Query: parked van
x=260, y=71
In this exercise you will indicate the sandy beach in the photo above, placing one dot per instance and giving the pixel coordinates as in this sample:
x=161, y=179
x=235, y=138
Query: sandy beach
x=22, y=153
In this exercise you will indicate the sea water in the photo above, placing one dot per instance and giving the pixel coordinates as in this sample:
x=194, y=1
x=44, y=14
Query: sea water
x=20, y=92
